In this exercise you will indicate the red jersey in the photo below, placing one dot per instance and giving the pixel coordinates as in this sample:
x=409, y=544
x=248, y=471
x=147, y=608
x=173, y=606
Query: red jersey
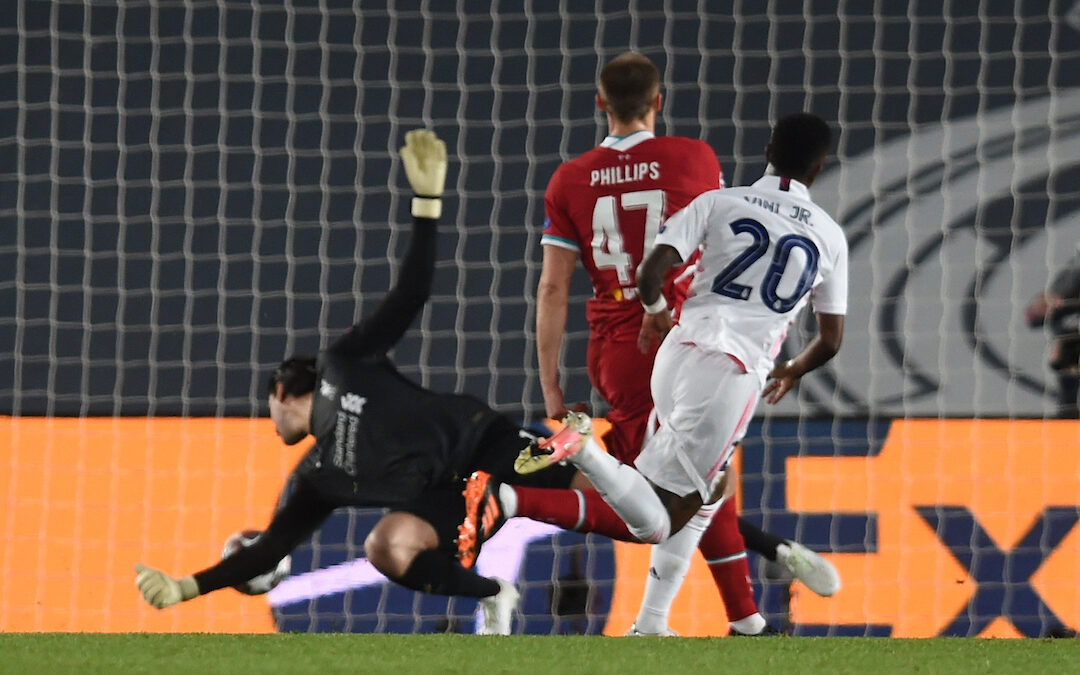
x=608, y=205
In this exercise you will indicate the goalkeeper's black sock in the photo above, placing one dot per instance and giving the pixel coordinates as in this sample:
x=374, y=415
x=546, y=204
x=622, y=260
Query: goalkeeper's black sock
x=758, y=540
x=439, y=573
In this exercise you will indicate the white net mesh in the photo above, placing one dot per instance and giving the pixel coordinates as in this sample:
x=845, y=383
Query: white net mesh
x=194, y=190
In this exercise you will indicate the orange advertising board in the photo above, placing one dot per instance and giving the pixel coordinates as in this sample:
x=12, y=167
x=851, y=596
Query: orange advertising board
x=86, y=499
x=973, y=534
x=975, y=522
x=969, y=525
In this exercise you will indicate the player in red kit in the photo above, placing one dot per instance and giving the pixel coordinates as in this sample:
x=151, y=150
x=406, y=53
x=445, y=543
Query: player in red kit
x=606, y=207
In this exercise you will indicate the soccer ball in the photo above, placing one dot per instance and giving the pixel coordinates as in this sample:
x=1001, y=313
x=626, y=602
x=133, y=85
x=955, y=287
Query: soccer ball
x=264, y=582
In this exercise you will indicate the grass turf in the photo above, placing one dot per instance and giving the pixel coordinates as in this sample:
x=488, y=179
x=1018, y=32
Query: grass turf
x=411, y=654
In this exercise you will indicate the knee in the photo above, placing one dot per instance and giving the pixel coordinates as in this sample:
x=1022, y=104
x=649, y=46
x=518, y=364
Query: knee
x=387, y=555
x=394, y=542
x=378, y=550
x=657, y=532
x=658, y=536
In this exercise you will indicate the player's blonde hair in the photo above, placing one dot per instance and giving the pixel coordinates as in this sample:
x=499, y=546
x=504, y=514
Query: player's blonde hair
x=629, y=84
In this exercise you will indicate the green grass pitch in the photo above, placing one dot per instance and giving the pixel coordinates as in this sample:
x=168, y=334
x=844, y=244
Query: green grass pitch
x=414, y=654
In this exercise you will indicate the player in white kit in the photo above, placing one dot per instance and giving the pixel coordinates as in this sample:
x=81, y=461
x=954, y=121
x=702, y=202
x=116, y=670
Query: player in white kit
x=767, y=251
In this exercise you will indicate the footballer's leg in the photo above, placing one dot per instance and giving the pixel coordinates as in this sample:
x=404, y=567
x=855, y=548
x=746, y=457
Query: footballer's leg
x=576, y=509
x=812, y=569
x=626, y=390
x=484, y=515
x=701, y=397
x=559, y=495
x=668, y=565
x=495, y=491
x=725, y=554
x=405, y=547
x=627, y=491
x=414, y=547
x=758, y=540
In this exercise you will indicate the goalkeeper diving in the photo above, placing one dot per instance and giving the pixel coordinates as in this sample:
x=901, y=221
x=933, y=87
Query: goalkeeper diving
x=382, y=440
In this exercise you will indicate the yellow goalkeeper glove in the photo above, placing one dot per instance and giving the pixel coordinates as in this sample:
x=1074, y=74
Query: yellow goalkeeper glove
x=424, y=156
x=161, y=590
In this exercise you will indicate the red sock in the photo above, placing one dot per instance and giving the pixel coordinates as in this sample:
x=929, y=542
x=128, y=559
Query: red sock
x=725, y=553
x=602, y=519
x=580, y=510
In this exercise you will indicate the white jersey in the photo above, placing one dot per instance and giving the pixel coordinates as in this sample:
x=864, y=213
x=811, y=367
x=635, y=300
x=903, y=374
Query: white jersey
x=767, y=248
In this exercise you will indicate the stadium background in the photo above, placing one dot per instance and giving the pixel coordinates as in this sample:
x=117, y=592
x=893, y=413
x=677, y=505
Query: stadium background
x=193, y=190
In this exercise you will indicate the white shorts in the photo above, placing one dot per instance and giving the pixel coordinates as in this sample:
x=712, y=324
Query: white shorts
x=704, y=401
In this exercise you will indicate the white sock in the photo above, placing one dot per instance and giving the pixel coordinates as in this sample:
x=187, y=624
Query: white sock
x=750, y=625
x=668, y=565
x=626, y=491
x=507, y=500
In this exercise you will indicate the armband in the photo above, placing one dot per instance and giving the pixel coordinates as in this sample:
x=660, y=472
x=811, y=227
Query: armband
x=657, y=306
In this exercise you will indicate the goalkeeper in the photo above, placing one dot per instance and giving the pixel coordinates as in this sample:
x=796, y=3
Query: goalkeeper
x=381, y=441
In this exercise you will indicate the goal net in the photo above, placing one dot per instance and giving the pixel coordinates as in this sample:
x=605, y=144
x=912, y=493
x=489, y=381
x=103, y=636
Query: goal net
x=192, y=191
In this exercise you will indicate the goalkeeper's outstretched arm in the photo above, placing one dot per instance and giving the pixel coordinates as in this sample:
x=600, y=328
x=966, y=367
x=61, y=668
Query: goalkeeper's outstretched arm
x=424, y=156
x=303, y=513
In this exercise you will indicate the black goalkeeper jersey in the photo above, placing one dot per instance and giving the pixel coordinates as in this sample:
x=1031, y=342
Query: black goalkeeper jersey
x=380, y=439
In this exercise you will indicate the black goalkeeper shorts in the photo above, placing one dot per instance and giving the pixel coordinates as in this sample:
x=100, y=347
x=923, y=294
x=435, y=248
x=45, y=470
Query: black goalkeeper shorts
x=444, y=505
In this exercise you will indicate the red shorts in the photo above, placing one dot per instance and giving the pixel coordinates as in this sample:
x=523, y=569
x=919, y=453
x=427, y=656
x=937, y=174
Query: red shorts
x=620, y=373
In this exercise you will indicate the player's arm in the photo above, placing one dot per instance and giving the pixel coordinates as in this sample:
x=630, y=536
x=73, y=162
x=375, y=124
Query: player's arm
x=552, y=300
x=303, y=512
x=1045, y=306
x=817, y=353
x=678, y=239
x=424, y=157
x=829, y=300
x=1041, y=306
x=650, y=280
x=1064, y=293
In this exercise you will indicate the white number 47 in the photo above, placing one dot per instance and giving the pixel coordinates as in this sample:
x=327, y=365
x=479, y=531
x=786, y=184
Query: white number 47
x=607, y=241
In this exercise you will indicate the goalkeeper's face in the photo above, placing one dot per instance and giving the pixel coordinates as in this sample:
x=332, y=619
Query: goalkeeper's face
x=290, y=418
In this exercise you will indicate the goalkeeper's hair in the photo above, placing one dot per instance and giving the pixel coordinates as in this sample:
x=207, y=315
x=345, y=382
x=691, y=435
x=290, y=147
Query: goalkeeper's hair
x=296, y=375
x=628, y=85
x=798, y=140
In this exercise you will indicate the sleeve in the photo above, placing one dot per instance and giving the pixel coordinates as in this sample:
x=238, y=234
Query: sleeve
x=685, y=229
x=558, y=228
x=303, y=512
x=831, y=295
x=379, y=332
x=1066, y=283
